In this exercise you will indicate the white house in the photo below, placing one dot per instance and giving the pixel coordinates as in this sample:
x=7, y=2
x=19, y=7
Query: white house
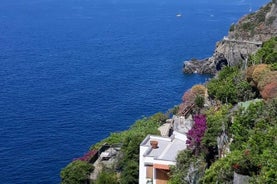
x=158, y=153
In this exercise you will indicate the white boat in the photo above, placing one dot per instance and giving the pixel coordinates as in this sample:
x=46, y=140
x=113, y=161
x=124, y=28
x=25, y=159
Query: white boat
x=178, y=15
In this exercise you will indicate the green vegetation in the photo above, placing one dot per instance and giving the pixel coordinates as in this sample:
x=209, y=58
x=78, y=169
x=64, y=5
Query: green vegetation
x=230, y=86
x=251, y=125
x=128, y=164
x=106, y=177
x=76, y=172
x=253, y=150
x=267, y=54
x=143, y=126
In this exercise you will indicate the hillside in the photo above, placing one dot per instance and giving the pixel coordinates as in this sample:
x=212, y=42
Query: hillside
x=244, y=38
x=239, y=143
x=235, y=141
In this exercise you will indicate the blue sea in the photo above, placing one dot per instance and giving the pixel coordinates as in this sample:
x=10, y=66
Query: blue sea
x=73, y=71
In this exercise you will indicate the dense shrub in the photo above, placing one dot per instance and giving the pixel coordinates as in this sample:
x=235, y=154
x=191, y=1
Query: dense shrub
x=188, y=97
x=198, y=90
x=267, y=54
x=259, y=72
x=216, y=118
x=269, y=77
x=179, y=172
x=230, y=86
x=263, y=79
x=129, y=163
x=270, y=91
x=196, y=95
x=196, y=133
x=249, y=73
x=76, y=172
x=253, y=151
x=106, y=177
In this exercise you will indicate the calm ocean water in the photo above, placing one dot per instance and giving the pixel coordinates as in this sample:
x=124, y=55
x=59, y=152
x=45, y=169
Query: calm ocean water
x=72, y=71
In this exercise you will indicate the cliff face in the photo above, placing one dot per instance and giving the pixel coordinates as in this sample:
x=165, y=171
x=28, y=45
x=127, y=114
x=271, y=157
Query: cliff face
x=244, y=38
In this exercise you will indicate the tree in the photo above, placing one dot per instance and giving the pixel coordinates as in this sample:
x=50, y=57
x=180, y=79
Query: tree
x=267, y=54
x=231, y=87
x=76, y=172
x=106, y=177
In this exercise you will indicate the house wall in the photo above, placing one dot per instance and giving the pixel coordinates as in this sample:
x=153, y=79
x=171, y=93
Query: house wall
x=142, y=168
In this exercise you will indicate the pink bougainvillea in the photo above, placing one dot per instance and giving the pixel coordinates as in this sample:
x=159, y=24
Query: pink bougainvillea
x=197, y=131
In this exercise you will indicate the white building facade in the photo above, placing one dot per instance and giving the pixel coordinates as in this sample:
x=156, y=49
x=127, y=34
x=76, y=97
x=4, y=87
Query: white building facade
x=158, y=153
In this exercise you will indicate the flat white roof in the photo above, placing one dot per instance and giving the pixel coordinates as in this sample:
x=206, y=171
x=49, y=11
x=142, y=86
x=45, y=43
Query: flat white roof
x=168, y=148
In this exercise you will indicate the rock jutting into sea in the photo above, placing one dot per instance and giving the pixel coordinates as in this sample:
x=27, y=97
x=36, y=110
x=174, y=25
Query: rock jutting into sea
x=244, y=38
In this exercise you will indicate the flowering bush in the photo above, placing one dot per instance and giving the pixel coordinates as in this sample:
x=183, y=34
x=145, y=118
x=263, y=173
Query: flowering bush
x=188, y=97
x=197, y=131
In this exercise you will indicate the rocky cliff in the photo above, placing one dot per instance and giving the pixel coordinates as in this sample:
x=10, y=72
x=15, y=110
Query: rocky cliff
x=244, y=38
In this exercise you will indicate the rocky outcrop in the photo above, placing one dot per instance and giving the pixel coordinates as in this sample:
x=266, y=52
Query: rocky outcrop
x=244, y=38
x=198, y=66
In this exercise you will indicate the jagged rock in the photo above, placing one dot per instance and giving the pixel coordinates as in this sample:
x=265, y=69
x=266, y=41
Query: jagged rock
x=244, y=38
x=199, y=66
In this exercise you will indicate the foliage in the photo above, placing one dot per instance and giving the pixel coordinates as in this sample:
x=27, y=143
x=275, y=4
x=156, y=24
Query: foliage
x=244, y=121
x=220, y=171
x=188, y=97
x=253, y=149
x=249, y=72
x=268, y=78
x=76, y=172
x=230, y=86
x=195, y=134
x=195, y=95
x=159, y=117
x=179, y=172
x=114, y=138
x=106, y=177
x=130, y=174
x=198, y=90
x=199, y=101
x=215, y=118
x=173, y=110
x=263, y=79
x=273, y=66
x=130, y=139
x=245, y=163
x=259, y=72
x=267, y=54
x=188, y=169
x=151, y=123
x=270, y=91
x=129, y=164
x=254, y=23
